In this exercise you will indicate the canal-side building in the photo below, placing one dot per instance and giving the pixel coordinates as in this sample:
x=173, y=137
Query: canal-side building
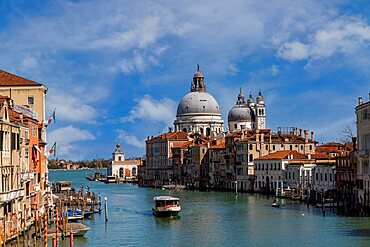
x=198, y=111
x=12, y=193
x=272, y=172
x=124, y=170
x=159, y=156
x=363, y=151
x=31, y=94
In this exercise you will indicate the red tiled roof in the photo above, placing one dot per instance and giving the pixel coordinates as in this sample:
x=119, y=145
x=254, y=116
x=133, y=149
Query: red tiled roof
x=282, y=155
x=128, y=162
x=8, y=79
x=171, y=135
x=219, y=146
x=182, y=144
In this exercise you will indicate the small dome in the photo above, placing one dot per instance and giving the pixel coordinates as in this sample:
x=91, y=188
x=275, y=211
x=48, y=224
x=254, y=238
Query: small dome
x=260, y=98
x=198, y=103
x=250, y=100
x=241, y=113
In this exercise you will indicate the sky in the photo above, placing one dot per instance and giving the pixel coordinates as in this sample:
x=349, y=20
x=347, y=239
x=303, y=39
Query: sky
x=116, y=70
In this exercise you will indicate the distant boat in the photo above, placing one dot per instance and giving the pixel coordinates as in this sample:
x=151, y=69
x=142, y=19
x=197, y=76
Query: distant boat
x=174, y=187
x=110, y=179
x=275, y=204
x=166, y=206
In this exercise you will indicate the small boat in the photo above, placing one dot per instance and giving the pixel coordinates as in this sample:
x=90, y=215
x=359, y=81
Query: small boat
x=77, y=229
x=74, y=215
x=110, y=179
x=275, y=204
x=173, y=187
x=166, y=206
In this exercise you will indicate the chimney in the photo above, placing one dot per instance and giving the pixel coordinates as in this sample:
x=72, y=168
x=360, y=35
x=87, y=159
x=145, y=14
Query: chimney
x=360, y=102
x=309, y=156
x=354, y=139
x=312, y=136
x=306, y=135
x=300, y=132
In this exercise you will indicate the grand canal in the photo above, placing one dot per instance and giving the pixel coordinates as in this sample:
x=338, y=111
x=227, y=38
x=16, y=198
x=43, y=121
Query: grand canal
x=210, y=219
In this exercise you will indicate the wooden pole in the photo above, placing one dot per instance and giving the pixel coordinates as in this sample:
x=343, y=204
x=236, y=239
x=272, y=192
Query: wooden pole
x=45, y=230
x=54, y=241
x=71, y=239
x=56, y=227
x=106, y=208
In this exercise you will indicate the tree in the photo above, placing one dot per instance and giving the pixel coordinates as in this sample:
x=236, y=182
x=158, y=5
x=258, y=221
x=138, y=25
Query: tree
x=348, y=132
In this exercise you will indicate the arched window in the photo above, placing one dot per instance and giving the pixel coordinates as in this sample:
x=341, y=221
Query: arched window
x=250, y=157
x=201, y=131
x=121, y=172
x=185, y=130
x=134, y=171
x=208, y=131
x=250, y=147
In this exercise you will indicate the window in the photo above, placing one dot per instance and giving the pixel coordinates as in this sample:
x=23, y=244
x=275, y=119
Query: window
x=267, y=147
x=293, y=175
x=273, y=147
x=326, y=177
x=291, y=147
x=30, y=100
x=250, y=147
x=250, y=157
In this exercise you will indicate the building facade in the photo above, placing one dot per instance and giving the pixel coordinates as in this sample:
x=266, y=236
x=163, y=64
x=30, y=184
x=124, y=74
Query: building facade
x=363, y=151
x=124, y=170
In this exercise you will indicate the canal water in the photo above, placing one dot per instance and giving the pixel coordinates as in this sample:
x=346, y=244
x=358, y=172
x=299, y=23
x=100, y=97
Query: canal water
x=210, y=219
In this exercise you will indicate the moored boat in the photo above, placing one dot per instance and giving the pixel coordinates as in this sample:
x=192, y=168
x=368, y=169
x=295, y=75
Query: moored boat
x=77, y=229
x=166, y=206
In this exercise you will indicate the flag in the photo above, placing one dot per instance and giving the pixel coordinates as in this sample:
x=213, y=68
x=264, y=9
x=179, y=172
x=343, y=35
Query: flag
x=53, y=149
x=51, y=118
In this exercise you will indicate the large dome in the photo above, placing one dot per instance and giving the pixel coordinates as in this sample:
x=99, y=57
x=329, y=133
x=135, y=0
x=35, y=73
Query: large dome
x=201, y=103
x=241, y=113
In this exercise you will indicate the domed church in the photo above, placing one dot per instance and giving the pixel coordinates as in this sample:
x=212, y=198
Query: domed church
x=247, y=115
x=198, y=110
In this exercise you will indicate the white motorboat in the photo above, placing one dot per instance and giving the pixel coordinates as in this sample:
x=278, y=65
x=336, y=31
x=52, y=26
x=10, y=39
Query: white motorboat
x=166, y=206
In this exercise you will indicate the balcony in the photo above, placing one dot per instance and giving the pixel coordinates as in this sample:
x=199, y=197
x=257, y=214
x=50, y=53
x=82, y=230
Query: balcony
x=11, y=195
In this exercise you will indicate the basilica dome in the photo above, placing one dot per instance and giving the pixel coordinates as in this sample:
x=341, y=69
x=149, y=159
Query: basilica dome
x=198, y=103
x=198, y=111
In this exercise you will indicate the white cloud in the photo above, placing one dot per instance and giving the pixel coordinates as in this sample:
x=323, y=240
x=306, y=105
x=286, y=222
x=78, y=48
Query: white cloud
x=344, y=35
x=293, y=51
x=150, y=109
x=130, y=139
x=67, y=139
x=71, y=108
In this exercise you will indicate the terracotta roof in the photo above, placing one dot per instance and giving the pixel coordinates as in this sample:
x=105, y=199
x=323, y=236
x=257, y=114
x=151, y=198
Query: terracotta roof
x=218, y=146
x=282, y=155
x=8, y=79
x=127, y=162
x=319, y=156
x=182, y=144
x=171, y=135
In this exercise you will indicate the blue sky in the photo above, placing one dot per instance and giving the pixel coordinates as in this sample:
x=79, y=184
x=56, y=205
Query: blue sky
x=116, y=70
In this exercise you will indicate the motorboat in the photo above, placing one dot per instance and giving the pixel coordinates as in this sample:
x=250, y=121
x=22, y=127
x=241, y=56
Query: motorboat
x=166, y=206
x=74, y=215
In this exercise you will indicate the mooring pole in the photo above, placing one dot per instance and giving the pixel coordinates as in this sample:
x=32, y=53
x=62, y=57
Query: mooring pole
x=106, y=208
